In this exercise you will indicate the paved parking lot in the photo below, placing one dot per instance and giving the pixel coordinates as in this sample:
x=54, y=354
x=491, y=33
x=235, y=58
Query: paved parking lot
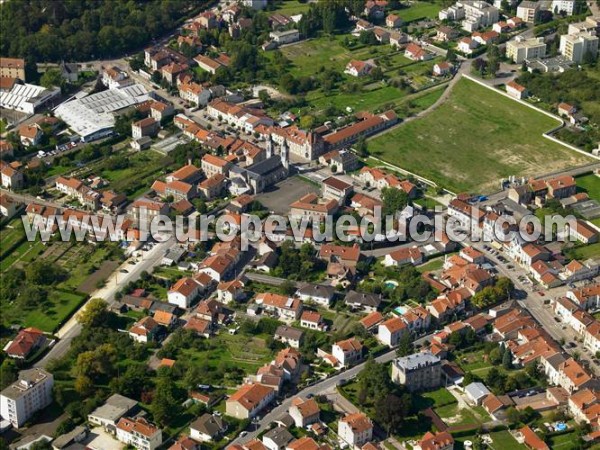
x=279, y=197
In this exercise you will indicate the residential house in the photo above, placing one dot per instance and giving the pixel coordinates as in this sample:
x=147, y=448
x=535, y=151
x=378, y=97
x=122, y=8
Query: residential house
x=516, y=90
x=316, y=293
x=415, y=52
x=30, y=135
x=194, y=93
x=348, y=352
x=139, y=433
x=304, y=411
x=145, y=330
x=249, y=401
x=355, y=430
x=25, y=343
x=207, y=427
x=285, y=308
x=144, y=127
x=183, y=292
x=289, y=335
x=391, y=331
x=393, y=21
x=277, y=438
x=336, y=189
x=402, y=256
x=441, y=440
x=312, y=320
x=466, y=45
x=442, y=68
x=363, y=301
x=357, y=68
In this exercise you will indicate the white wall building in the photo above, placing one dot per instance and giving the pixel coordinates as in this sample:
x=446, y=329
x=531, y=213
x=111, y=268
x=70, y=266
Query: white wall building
x=32, y=392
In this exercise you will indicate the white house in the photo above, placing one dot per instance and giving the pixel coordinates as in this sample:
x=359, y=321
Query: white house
x=390, y=331
x=183, y=292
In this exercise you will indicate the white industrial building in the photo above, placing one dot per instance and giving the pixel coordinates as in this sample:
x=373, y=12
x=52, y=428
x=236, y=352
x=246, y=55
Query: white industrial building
x=27, y=98
x=92, y=116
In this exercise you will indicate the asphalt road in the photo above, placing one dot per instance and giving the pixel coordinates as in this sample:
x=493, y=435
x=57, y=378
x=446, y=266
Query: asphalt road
x=320, y=388
x=117, y=280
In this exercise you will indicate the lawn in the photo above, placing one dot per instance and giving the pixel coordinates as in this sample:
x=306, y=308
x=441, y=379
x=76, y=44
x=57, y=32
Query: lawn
x=420, y=10
x=453, y=416
x=504, y=440
x=59, y=306
x=292, y=7
x=244, y=352
x=473, y=140
x=142, y=170
x=564, y=441
x=583, y=252
x=434, y=264
x=590, y=184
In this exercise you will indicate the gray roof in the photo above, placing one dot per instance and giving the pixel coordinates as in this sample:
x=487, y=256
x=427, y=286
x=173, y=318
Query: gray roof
x=27, y=379
x=317, y=290
x=477, y=390
x=288, y=332
x=363, y=298
x=65, y=440
x=264, y=167
x=280, y=436
x=209, y=425
x=417, y=361
x=115, y=407
x=556, y=360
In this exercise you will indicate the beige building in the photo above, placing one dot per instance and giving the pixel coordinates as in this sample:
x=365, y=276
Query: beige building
x=12, y=68
x=575, y=47
x=249, y=401
x=520, y=50
x=528, y=11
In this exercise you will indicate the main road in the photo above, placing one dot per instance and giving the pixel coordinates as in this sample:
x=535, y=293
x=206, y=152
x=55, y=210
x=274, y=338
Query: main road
x=117, y=280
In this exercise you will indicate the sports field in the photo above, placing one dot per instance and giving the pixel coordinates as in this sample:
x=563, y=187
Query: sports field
x=473, y=140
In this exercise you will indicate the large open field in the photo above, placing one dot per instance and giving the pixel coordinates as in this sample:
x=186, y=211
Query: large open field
x=419, y=10
x=473, y=140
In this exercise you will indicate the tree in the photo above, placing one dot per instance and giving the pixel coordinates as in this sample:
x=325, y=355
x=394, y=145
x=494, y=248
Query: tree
x=394, y=200
x=507, y=360
x=164, y=403
x=391, y=411
x=94, y=314
x=361, y=147
x=405, y=345
x=52, y=78
x=307, y=122
x=376, y=74
x=84, y=385
x=288, y=287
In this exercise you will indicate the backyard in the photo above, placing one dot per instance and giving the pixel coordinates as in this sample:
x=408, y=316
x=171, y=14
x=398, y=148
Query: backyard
x=473, y=140
x=419, y=10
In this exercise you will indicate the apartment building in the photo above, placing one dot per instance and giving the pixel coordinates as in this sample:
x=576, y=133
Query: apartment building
x=417, y=371
x=520, y=49
x=575, y=47
x=32, y=392
x=528, y=11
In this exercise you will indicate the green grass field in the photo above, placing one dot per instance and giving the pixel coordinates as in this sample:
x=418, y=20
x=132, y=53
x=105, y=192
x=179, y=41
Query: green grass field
x=473, y=140
x=590, y=184
x=291, y=7
x=143, y=169
x=419, y=10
